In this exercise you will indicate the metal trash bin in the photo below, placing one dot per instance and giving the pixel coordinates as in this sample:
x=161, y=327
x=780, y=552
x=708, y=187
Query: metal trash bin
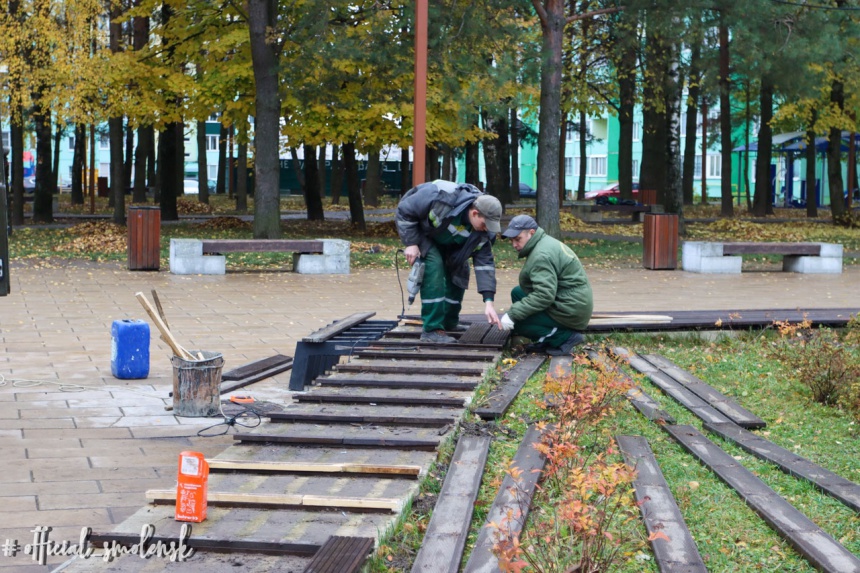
x=197, y=384
x=660, y=241
x=144, y=238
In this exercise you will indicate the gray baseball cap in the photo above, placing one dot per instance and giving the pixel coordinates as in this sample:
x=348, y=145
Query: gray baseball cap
x=491, y=209
x=519, y=224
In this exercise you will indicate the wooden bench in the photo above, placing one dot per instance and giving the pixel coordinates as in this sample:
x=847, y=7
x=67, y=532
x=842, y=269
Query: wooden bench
x=206, y=257
x=726, y=258
x=593, y=213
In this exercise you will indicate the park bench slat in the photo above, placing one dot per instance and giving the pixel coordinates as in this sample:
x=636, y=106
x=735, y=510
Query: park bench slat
x=659, y=510
x=337, y=327
x=823, y=479
x=442, y=548
x=751, y=248
x=812, y=542
x=504, y=394
x=211, y=246
x=341, y=555
x=531, y=463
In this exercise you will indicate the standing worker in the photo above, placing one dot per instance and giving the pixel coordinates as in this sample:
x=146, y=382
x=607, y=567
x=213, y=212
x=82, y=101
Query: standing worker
x=446, y=224
x=553, y=301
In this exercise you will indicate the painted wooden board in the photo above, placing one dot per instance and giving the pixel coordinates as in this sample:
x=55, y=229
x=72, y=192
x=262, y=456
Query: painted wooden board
x=726, y=405
x=645, y=404
x=400, y=380
x=531, y=463
x=341, y=555
x=512, y=382
x=442, y=548
x=812, y=542
x=823, y=479
x=281, y=501
x=219, y=465
x=414, y=367
x=677, y=551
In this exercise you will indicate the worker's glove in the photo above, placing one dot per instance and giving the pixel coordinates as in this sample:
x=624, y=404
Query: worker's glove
x=506, y=322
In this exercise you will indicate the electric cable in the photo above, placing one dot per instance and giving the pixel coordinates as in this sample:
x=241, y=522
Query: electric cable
x=400, y=283
x=231, y=422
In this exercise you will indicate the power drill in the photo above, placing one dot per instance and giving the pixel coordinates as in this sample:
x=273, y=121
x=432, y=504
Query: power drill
x=416, y=277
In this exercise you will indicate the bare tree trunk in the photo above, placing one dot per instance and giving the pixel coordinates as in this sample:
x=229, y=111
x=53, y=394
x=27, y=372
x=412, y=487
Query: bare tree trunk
x=79, y=162
x=128, y=157
x=337, y=175
x=16, y=136
x=43, y=196
x=514, y=123
x=705, y=112
x=674, y=200
x=372, y=182
x=312, y=185
x=503, y=158
x=221, y=178
x=356, y=209
x=242, y=173
x=321, y=171
x=690, y=125
x=762, y=196
x=834, y=155
x=562, y=143
x=55, y=166
x=491, y=162
x=472, y=172
x=405, y=172
x=582, y=128
x=726, y=203
x=170, y=178
x=202, y=167
x=811, y=199
x=117, y=190
x=141, y=156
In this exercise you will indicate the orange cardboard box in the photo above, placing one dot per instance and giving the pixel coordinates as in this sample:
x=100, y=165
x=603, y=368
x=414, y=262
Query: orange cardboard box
x=191, y=487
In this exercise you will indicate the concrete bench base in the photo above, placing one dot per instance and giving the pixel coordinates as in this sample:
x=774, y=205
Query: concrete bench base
x=187, y=258
x=705, y=257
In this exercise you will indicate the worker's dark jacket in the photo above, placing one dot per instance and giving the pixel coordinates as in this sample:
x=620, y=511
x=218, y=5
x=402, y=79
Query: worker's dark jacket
x=434, y=213
x=554, y=282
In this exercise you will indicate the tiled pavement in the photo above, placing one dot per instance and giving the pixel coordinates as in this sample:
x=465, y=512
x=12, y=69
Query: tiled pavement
x=83, y=454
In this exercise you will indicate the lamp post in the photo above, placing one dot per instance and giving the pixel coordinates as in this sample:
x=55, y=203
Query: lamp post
x=419, y=141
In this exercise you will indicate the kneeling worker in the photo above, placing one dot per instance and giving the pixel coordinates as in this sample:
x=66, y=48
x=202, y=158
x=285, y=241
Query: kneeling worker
x=447, y=224
x=553, y=301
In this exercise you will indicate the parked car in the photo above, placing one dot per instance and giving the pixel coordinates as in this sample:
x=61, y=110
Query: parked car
x=526, y=191
x=611, y=191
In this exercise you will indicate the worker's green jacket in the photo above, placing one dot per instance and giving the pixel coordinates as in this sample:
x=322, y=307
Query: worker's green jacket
x=554, y=282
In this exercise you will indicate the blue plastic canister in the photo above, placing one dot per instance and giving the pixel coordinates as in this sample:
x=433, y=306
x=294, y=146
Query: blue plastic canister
x=129, y=349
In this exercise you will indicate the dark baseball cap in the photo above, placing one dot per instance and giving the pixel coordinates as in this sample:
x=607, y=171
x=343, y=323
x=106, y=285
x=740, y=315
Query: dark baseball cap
x=491, y=209
x=519, y=224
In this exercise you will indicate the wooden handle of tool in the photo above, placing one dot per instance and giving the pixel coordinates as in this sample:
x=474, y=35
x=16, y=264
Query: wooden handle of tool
x=165, y=332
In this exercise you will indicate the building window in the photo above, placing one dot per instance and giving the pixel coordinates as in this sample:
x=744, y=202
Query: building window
x=71, y=143
x=637, y=131
x=597, y=166
x=568, y=166
x=214, y=117
x=697, y=169
x=683, y=123
x=714, y=165
x=635, y=170
x=213, y=171
x=576, y=164
x=698, y=124
x=211, y=143
x=104, y=141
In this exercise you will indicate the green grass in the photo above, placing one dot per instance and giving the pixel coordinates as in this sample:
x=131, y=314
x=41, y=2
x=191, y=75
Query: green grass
x=730, y=536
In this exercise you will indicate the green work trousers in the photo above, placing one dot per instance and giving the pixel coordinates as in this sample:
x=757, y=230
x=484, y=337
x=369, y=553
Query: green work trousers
x=539, y=327
x=440, y=299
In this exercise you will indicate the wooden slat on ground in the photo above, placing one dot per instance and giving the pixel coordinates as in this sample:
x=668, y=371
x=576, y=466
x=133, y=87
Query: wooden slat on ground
x=282, y=501
x=428, y=353
x=677, y=551
x=256, y=367
x=414, y=367
x=512, y=382
x=512, y=497
x=732, y=319
x=407, y=341
x=728, y=406
x=400, y=380
x=341, y=555
x=363, y=418
x=442, y=548
x=812, y=542
x=647, y=406
x=673, y=388
x=823, y=479
x=246, y=467
x=407, y=397
x=311, y=435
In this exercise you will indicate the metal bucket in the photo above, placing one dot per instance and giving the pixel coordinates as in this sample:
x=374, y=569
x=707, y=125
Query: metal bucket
x=197, y=385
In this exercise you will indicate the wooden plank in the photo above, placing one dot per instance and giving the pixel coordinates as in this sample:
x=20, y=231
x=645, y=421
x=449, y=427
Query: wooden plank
x=240, y=499
x=400, y=380
x=645, y=404
x=404, y=341
x=823, y=479
x=165, y=332
x=409, y=398
x=256, y=367
x=337, y=327
x=442, y=548
x=812, y=542
x=335, y=418
x=496, y=337
x=211, y=246
x=752, y=248
x=507, y=503
x=357, y=442
x=728, y=406
x=219, y=465
x=341, y=555
x=427, y=353
x=677, y=551
x=413, y=367
x=475, y=333
x=503, y=395
x=209, y=545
